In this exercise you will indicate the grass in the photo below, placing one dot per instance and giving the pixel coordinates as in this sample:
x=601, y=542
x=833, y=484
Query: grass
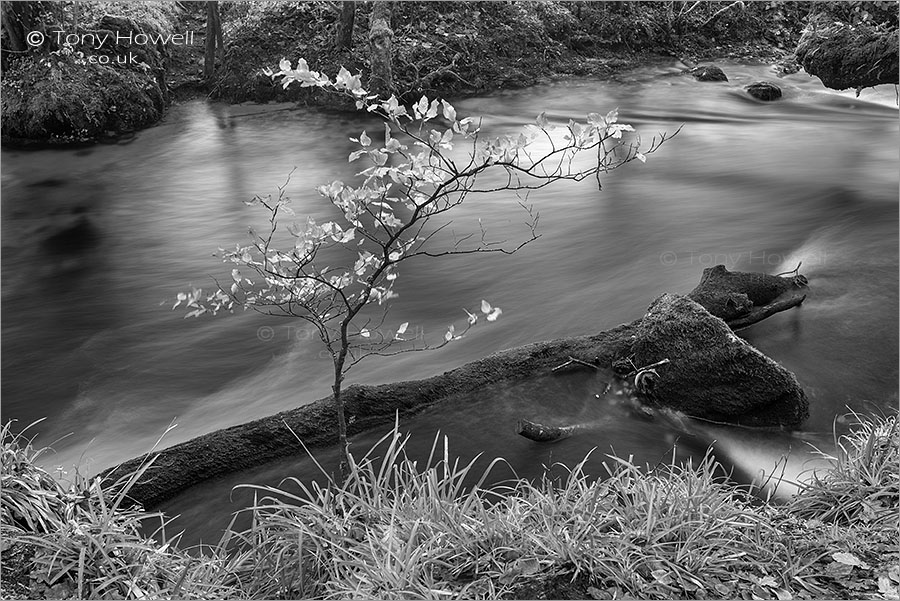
x=398, y=529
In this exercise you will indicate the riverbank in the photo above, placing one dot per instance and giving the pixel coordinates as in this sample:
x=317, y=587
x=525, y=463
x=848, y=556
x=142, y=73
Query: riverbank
x=63, y=94
x=455, y=50
x=398, y=532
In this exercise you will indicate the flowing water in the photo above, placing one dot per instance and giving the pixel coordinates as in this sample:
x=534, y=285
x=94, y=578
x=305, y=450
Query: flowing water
x=97, y=242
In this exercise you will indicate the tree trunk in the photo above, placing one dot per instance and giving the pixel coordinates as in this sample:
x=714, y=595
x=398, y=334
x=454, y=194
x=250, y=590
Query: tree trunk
x=380, y=36
x=339, y=360
x=19, y=18
x=344, y=466
x=213, y=39
x=345, y=25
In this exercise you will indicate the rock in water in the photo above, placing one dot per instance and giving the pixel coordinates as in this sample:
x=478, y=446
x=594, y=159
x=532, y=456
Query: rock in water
x=712, y=373
x=708, y=73
x=764, y=90
x=845, y=56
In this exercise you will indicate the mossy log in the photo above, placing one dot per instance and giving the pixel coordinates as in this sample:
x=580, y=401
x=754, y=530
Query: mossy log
x=753, y=388
x=845, y=56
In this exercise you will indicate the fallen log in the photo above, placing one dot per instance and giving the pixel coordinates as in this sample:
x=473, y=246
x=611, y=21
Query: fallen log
x=710, y=373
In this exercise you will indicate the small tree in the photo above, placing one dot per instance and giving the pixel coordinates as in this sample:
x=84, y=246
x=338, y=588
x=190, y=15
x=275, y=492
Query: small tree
x=215, y=47
x=398, y=210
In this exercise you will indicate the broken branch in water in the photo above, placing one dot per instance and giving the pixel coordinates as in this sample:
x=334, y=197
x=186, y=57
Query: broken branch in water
x=542, y=433
x=760, y=313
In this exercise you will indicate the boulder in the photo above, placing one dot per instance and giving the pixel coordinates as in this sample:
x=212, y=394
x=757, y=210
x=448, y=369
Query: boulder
x=708, y=73
x=764, y=90
x=845, y=56
x=711, y=373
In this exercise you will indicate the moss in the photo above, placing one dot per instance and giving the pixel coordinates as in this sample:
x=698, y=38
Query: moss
x=61, y=101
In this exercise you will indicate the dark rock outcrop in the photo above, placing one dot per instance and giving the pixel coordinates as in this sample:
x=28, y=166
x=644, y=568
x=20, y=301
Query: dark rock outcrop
x=845, y=56
x=764, y=90
x=708, y=73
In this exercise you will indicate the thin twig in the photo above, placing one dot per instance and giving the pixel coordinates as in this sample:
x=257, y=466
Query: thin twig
x=794, y=271
x=577, y=361
x=646, y=367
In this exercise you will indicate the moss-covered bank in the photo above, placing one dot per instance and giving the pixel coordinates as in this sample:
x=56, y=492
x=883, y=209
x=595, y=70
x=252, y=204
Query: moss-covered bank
x=74, y=89
x=58, y=94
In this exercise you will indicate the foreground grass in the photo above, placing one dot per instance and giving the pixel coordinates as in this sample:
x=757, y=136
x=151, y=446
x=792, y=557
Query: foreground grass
x=396, y=530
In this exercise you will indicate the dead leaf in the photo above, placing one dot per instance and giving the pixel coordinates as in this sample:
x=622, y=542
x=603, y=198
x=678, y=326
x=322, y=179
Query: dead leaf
x=851, y=560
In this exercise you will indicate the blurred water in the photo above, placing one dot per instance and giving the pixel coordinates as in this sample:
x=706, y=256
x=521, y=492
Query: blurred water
x=89, y=341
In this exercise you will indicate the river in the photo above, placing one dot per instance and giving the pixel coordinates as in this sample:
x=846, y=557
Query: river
x=98, y=241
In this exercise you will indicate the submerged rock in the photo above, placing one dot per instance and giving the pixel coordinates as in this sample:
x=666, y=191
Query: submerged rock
x=764, y=90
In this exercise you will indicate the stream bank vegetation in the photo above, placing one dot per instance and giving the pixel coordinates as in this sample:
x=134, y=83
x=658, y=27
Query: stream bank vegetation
x=398, y=529
x=57, y=91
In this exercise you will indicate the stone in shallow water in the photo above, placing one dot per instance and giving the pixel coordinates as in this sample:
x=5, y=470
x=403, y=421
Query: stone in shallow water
x=764, y=90
x=708, y=73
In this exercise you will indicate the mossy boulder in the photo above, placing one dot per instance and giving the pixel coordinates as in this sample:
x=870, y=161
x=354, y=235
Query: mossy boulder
x=850, y=56
x=62, y=95
x=711, y=373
